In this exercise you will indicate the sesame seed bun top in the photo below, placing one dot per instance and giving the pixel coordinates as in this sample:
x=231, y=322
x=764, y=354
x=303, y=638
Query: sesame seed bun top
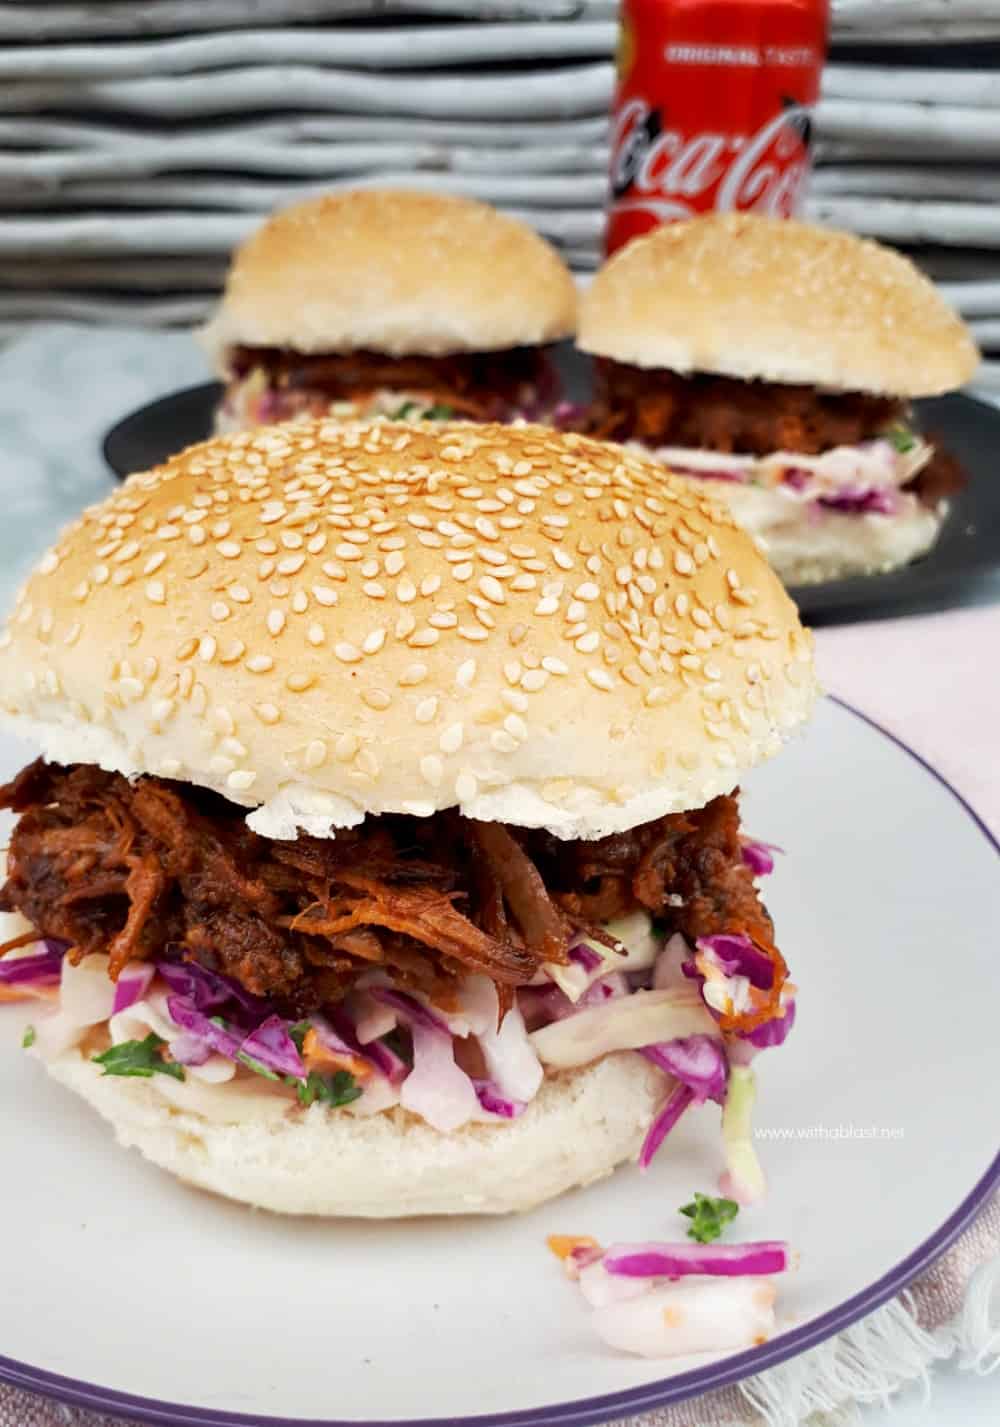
x=330, y=621
x=396, y=272
x=764, y=298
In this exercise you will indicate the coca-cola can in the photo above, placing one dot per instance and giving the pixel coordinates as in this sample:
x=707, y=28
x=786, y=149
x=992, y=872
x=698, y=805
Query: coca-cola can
x=712, y=109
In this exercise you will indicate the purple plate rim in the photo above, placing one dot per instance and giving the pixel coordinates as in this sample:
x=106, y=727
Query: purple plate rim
x=584, y=1411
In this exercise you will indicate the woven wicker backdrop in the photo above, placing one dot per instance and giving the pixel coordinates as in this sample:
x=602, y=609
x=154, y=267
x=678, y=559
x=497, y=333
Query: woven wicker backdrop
x=140, y=139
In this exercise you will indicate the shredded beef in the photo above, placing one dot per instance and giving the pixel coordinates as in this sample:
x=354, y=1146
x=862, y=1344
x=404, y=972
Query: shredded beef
x=662, y=408
x=480, y=385
x=152, y=868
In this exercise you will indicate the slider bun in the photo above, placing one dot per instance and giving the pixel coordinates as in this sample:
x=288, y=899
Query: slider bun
x=581, y=1125
x=395, y=271
x=335, y=621
x=778, y=301
x=807, y=548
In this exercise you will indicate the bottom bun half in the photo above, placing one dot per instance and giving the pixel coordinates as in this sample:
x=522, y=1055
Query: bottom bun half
x=805, y=546
x=581, y=1125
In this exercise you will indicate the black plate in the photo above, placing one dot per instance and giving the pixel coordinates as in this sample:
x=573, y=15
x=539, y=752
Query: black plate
x=966, y=553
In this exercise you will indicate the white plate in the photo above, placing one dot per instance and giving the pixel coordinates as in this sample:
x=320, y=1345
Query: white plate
x=122, y=1289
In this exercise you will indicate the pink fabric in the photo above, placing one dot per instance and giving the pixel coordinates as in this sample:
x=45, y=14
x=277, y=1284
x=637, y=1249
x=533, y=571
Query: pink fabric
x=935, y=681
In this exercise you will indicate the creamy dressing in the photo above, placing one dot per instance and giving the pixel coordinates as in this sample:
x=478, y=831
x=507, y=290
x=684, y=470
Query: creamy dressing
x=871, y=465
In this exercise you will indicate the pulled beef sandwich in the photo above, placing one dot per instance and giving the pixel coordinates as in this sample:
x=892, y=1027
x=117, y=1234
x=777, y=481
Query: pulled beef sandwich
x=777, y=361
x=384, y=303
x=386, y=857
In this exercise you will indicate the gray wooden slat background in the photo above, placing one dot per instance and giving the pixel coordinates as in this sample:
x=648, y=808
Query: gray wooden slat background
x=141, y=139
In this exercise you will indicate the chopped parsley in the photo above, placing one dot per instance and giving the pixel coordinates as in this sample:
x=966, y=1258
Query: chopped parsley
x=709, y=1216
x=28, y=1039
x=298, y=1034
x=406, y=411
x=902, y=438
x=143, y=1058
x=440, y=411
x=340, y=1088
x=257, y=1066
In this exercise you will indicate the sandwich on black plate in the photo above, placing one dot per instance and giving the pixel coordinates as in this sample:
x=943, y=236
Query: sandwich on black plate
x=777, y=362
x=384, y=302
x=384, y=856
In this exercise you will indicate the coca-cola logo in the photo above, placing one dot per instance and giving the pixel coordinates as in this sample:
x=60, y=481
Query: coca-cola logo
x=662, y=171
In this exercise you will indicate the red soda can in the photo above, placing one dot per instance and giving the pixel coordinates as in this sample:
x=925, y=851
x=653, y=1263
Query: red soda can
x=712, y=109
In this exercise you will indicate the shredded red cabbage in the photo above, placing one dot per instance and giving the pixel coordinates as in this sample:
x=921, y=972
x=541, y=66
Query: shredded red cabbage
x=696, y=1061
x=271, y=1045
x=206, y=990
x=677, y=1102
x=758, y=856
x=43, y=969
x=217, y=1038
x=132, y=985
x=585, y=956
x=884, y=500
x=385, y=1059
x=773, y=1032
x=410, y=1009
x=677, y=1260
x=495, y=1102
x=608, y=988
x=736, y=955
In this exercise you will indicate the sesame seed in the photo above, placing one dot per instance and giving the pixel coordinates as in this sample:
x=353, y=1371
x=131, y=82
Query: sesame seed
x=588, y=643
x=600, y=679
x=275, y=621
x=516, y=727
x=260, y=663
x=377, y=698
x=502, y=742
x=683, y=563
x=267, y=713
x=451, y=739
x=426, y=710
x=431, y=769
x=229, y=549
x=534, y=679
x=514, y=699
x=219, y=610
x=155, y=591
x=547, y=605
x=423, y=638
x=347, y=653
x=406, y=591
x=413, y=674
x=466, y=673
x=466, y=787
x=324, y=595
x=316, y=753
x=206, y=648
x=554, y=666
x=316, y=634
x=346, y=747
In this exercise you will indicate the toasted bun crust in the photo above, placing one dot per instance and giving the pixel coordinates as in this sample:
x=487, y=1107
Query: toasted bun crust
x=581, y=1125
x=338, y=620
x=806, y=549
x=779, y=301
x=395, y=271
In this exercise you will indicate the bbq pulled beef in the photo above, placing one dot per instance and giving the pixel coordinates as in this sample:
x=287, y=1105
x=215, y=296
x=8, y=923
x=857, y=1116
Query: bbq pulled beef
x=751, y=418
x=480, y=385
x=153, y=868
x=663, y=408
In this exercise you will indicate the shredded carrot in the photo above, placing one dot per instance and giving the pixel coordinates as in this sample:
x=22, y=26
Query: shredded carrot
x=563, y=1245
x=28, y=993
x=318, y=1056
